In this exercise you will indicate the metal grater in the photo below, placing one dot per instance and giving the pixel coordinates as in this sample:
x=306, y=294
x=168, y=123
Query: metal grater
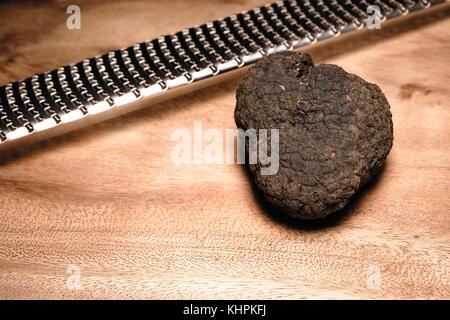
x=111, y=84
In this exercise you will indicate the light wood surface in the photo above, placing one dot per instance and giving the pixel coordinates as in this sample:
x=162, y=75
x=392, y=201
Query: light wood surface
x=109, y=201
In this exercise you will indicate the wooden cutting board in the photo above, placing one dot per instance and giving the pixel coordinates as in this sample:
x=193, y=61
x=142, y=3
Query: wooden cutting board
x=104, y=212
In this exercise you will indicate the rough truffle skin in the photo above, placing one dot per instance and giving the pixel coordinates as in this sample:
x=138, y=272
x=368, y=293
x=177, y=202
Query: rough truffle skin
x=335, y=131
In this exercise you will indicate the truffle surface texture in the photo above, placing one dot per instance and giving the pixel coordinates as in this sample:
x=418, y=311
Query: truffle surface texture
x=335, y=131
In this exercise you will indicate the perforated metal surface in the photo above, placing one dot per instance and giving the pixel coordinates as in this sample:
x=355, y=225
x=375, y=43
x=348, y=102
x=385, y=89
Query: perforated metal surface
x=99, y=84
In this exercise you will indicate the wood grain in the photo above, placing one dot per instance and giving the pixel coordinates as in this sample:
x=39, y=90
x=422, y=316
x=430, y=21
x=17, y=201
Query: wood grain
x=108, y=199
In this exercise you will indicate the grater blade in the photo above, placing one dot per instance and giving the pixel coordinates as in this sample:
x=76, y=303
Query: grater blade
x=120, y=81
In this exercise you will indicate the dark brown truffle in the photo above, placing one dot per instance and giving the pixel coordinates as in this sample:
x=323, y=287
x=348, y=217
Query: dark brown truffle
x=335, y=131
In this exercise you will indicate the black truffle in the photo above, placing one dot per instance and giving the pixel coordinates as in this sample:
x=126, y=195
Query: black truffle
x=335, y=131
